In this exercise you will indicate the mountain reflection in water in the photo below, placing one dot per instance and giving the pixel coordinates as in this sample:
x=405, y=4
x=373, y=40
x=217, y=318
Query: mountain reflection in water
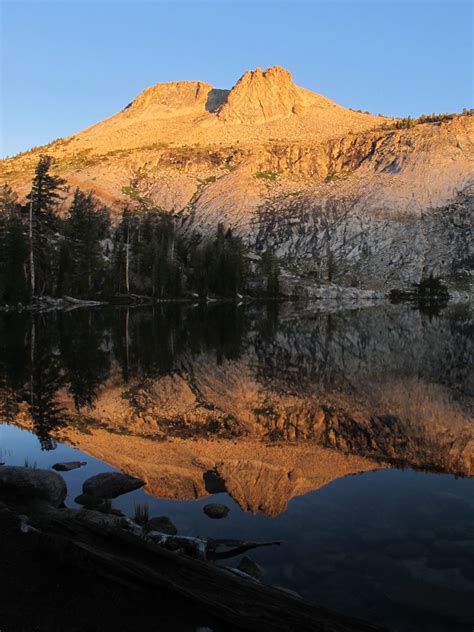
x=387, y=383
x=269, y=408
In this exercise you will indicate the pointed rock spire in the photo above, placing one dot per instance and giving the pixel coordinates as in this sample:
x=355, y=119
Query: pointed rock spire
x=262, y=95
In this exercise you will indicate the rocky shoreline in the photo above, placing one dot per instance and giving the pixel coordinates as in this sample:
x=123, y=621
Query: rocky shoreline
x=294, y=288
x=141, y=563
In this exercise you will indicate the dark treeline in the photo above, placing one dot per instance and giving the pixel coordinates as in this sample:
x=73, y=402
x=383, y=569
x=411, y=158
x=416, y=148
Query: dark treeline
x=84, y=255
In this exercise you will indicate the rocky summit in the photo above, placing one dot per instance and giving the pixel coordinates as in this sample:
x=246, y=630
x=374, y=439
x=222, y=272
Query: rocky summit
x=342, y=196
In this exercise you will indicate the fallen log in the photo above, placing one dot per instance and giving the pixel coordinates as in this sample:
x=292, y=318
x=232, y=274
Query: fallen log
x=126, y=558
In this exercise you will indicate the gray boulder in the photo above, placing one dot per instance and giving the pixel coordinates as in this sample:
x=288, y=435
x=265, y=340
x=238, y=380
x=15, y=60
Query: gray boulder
x=216, y=510
x=67, y=466
x=111, y=485
x=24, y=484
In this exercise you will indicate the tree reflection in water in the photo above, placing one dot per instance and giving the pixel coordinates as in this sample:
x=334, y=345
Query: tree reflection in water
x=384, y=382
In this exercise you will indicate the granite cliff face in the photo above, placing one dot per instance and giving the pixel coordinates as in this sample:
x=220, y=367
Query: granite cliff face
x=342, y=196
x=262, y=96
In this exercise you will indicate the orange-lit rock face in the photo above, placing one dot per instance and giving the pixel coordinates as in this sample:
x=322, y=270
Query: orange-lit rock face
x=263, y=96
x=258, y=486
x=287, y=168
x=170, y=98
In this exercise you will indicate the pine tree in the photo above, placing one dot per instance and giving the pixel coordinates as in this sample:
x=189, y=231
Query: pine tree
x=82, y=259
x=122, y=252
x=43, y=200
x=12, y=247
x=16, y=256
x=8, y=202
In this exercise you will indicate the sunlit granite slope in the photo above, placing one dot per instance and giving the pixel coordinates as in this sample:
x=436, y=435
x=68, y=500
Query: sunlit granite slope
x=342, y=195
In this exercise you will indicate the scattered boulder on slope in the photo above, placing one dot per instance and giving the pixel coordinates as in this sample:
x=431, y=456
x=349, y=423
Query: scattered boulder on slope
x=111, y=484
x=24, y=484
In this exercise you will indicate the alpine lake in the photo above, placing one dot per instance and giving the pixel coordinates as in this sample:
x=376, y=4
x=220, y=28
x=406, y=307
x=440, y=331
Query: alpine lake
x=345, y=433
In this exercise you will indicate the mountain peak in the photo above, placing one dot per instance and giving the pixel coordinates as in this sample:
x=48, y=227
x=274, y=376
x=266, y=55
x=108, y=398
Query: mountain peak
x=276, y=73
x=262, y=105
x=260, y=96
x=172, y=96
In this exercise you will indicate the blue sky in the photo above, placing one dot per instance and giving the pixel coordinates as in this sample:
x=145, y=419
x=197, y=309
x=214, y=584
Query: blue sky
x=66, y=65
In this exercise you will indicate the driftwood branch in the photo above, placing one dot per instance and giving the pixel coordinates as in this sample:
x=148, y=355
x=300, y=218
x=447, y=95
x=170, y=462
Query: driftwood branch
x=236, y=547
x=203, y=548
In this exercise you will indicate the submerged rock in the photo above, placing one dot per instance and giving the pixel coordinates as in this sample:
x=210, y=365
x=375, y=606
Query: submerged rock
x=111, y=485
x=247, y=565
x=162, y=524
x=67, y=466
x=23, y=483
x=216, y=510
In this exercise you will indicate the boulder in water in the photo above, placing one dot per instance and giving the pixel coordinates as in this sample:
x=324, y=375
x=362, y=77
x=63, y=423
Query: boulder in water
x=111, y=484
x=25, y=483
x=67, y=466
x=216, y=510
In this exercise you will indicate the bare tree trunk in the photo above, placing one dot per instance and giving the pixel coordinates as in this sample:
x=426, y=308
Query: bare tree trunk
x=32, y=256
x=138, y=248
x=127, y=340
x=127, y=260
x=171, y=250
x=32, y=362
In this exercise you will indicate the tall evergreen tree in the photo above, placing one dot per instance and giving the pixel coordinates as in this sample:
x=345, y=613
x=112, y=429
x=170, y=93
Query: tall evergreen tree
x=8, y=202
x=16, y=255
x=13, y=247
x=82, y=263
x=43, y=200
x=219, y=266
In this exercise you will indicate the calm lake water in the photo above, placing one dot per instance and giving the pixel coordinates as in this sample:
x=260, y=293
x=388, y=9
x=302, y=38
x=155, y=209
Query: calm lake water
x=380, y=524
